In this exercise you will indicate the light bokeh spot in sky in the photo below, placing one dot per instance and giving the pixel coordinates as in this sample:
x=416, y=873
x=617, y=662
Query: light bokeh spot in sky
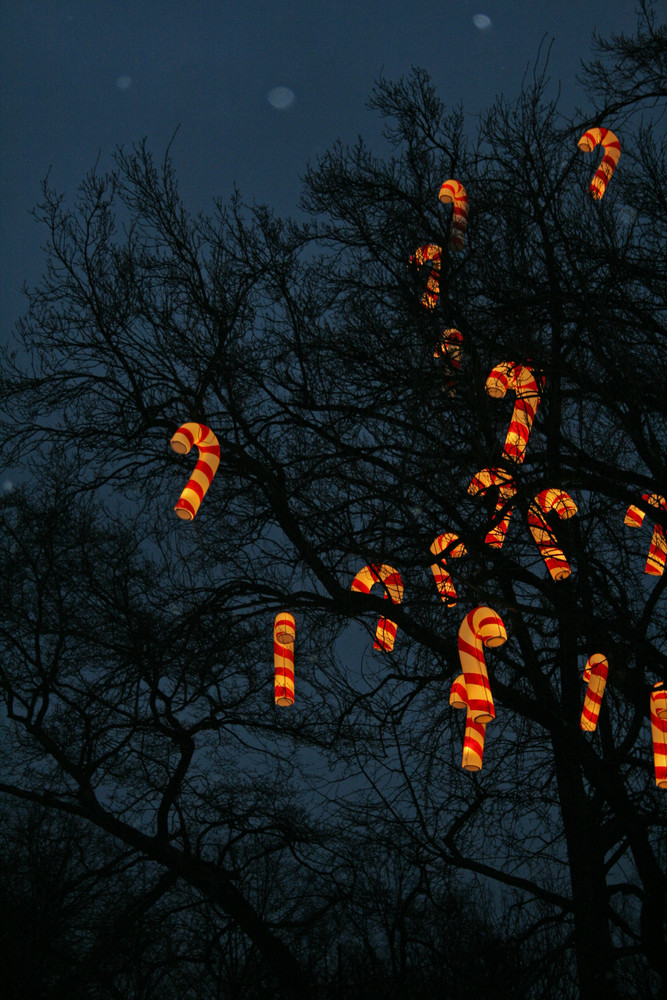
x=123, y=82
x=280, y=98
x=481, y=21
x=7, y=485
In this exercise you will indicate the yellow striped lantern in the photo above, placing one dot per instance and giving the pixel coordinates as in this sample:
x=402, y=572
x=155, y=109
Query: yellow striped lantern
x=284, y=632
x=612, y=152
x=446, y=543
x=659, y=733
x=206, y=467
x=481, y=627
x=543, y=504
x=526, y=387
x=454, y=192
x=392, y=583
x=429, y=251
x=595, y=675
x=475, y=732
x=483, y=481
x=655, y=564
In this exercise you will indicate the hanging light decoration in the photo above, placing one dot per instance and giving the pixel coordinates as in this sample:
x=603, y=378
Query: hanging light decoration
x=659, y=733
x=449, y=349
x=480, y=627
x=612, y=151
x=206, y=467
x=390, y=579
x=475, y=732
x=443, y=581
x=565, y=507
x=454, y=192
x=506, y=490
x=523, y=382
x=429, y=251
x=595, y=675
x=284, y=632
x=655, y=564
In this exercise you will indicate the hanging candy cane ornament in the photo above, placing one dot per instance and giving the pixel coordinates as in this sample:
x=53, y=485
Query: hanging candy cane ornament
x=524, y=383
x=506, y=490
x=612, y=151
x=480, y=627
x=595, y=675
x=449, y=348
x=657, y=552
x=284, y=633
x=443, y=581
x=659, y=733
x=454, y=192
x=475, y=732
x=206, y=467
x=421, y=255
x=565, y=507
x=390, y=578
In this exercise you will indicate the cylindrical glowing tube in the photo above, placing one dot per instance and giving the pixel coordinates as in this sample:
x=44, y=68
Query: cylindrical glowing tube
x=480, y=627
x=475, y=732
x=443, y=580
x=657, y=553
x=284, y=632
x=595, y=675
x=454, y=192
x=659, y=733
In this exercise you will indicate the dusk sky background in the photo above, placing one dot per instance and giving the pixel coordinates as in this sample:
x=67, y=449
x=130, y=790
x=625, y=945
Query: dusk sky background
x=258, y=89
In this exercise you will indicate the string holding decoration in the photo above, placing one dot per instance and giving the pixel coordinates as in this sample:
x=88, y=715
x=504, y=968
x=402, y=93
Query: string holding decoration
x=612, y=151
x=390, y=579
x=595, y=675
x=565, y=507
x=284, y=634
x=524, y=383
x=422, y=255
x=443, y=581
x=655, y=563
x=506, y=490
x=454, y=192
x=203, y=437
x=475, y=731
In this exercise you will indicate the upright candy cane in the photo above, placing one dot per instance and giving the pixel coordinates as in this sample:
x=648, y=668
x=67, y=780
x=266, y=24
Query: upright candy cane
x=205, y=469
x=390, y=578
x=480, y=627
x=655, y=563
x=421, y=255
x=523, y=382
x=659, y=733
x=450, y=349
x=565, y=507
x=284, y=632
x=612, y=151
x=595, y=675
x=506, y=490
x=455, y=192
x=475, y=732
x=443, y=581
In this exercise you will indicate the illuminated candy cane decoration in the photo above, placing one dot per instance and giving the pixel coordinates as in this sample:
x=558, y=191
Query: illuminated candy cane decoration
x=390, y=578
x=475, y=732
x=449, y=348
x=612, y=151
x=565, y=507
x=480, y=627
x=506, y=490
x=595, y=675
x=284, y=632
x=659, y=733
x=421, y=255
x=523, y=382
x=205, y=469
x=454, y=192
x=443, y=580
x=634, y=518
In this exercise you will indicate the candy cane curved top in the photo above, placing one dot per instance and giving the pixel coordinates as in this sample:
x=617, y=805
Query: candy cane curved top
x=429, y=251
x=564, y=505
x=507, y=489
x=525, y=385
x=455, y=192
x=481, y=627
x=657, y=554
x=390, y=578
x=206, y=467
x=612, y=151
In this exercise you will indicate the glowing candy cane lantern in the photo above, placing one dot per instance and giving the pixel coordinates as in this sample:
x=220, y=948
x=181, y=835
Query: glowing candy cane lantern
x=443, y=581
x=449, y=348
x=595, y=675
x=205, y=469
x=523, y=382
x=284, y=632
x=612, y=151
x=475, y=732
x=565, y=507
x=659, y=733
x=634, y=518
x=454, y=192
x=421, y=255
x=480, y=627
x=506, y=490
x=390, y=578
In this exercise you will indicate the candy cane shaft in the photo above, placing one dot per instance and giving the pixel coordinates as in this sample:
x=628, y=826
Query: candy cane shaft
x=595, y=674
x=506, y=490
x=657, y=553
x=659, y=734
x=203, y=437
x=430, y=251
x=480, y=627
x=454, y=192
x=443, y=580
x=284, y=631
x=475, y=731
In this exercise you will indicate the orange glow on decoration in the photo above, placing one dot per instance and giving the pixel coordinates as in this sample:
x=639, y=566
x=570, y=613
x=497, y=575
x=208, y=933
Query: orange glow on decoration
x=612, y=151
x=449, y=348
x=634, y=518
x=523, y=382
x=475, y=732
x=480, y=627
x=421, y=255
x=454, y=192
x=206, y=467
x=443, y=580
x=565, y=507
x=595, y=675
x=391, y=580
x=659, y=733
x=284, y=632
x=506, y=490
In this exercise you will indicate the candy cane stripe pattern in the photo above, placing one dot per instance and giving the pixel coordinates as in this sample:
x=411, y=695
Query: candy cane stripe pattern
x=206, y=467
x=443, y=581
x=506, y=490
x=480, y=627
x=421, y=255
x=475, y=732
x=390, y=578
x=612, y=151
x=655, y=564
x=659, y=733
x=449, y=348
x=454, y=192
x=543, y=503
x=284, y=632
x=523, y=382
x=595, y=675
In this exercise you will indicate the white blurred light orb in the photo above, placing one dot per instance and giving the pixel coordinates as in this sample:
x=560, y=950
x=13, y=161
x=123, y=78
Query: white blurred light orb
x=123, y=82
x=481, y=21
x=280, y=98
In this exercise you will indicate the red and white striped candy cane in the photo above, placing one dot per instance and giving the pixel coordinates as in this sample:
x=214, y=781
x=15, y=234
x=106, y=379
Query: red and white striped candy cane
x=454, y=192
x=524, y=383
x=449, y=348
x=655, y=564
x=284, y=632
x=565, y=507
x=421, y=255
x=612, y=151
x=659, y=733
x=390, y=578
x=475, y=732
x=506, y=490
x=443, y=581
x=206, y=467
x=480, y=627
x=595, y=675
